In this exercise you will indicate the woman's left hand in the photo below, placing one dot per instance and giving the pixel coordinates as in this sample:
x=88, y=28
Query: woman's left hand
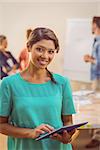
x=65, y=137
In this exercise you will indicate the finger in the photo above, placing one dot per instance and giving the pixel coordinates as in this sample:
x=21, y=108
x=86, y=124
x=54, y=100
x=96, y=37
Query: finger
x=49, y=127
x=56, y=137
x=39, y=131
x=46, y=128
x=66, y=136
x=72, y=132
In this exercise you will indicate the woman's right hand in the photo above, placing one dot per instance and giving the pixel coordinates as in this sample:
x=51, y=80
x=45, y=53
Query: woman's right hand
x=43, y=128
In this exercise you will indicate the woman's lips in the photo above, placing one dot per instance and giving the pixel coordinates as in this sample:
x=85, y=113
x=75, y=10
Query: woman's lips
x=43, y=62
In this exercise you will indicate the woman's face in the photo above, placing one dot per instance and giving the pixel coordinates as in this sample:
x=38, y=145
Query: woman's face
x=42, y=53
x=4, y=44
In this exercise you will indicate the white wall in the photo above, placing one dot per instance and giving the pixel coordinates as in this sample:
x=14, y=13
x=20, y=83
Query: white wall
x=1, y=16
x=17, y=17
x=98, y=9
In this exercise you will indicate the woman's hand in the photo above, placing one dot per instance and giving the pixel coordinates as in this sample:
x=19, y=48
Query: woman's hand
x=65, y=137
x=43, y=128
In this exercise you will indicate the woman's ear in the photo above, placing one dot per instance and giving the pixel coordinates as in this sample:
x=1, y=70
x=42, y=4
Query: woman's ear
x=28, y=48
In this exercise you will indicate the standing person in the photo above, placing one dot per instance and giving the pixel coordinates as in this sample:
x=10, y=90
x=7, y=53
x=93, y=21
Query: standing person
x=94, y=59
x=24, y=55
x=36, y=100
x=8, y=64
x=95, y=73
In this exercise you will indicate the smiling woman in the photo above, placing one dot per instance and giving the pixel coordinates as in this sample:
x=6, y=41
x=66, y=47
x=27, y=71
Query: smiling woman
x=42, y=53
x=37, y=101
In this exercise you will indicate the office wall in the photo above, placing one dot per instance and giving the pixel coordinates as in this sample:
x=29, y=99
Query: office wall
x=1, y=19
x=17, y=17
x=98, y=9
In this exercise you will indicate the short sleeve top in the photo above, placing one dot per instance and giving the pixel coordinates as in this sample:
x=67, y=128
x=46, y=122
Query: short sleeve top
x=28, y=105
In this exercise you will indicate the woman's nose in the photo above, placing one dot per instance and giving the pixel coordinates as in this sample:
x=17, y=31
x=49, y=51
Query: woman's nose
x=45, y=54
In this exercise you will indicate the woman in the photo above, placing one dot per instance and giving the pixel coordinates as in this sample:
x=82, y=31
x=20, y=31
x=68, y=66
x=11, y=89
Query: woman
x=8, y=64
x=37, y=101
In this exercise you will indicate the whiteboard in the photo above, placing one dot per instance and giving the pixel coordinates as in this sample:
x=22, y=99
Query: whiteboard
x=79, y=41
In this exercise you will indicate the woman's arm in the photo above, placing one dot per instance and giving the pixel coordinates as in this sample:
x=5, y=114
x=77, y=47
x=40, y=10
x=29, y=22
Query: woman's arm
x=10, y=130
x=67, y=119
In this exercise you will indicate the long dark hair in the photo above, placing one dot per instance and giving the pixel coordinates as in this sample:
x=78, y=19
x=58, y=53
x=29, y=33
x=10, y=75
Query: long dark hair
x=39, y=34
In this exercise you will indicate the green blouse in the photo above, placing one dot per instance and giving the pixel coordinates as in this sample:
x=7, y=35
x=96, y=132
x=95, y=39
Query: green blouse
x=28, y=105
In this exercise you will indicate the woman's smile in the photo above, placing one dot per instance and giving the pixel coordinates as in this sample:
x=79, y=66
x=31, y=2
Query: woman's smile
x=42, y=62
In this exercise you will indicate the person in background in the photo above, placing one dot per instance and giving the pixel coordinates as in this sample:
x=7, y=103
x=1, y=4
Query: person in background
x=24, y=55
x=8, y=64
x=94, y=59
x=39, y=101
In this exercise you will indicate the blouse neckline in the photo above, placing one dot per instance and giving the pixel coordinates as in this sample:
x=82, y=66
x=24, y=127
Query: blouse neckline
x=31, y=83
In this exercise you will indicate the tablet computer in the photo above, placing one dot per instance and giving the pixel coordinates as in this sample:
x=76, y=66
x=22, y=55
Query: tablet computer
x=60, y=130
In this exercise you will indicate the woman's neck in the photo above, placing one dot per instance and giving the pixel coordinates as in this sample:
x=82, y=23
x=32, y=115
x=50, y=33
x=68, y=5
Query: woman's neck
x=35, y=75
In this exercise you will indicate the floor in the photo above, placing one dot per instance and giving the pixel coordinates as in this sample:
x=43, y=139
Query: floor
x=84, y=136
x=83, y=139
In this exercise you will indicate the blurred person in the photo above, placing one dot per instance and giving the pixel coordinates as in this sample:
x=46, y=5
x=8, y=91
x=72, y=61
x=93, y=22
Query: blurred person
x=39, y=101
x=8, y=64
x=24, y=55
x=94, y=59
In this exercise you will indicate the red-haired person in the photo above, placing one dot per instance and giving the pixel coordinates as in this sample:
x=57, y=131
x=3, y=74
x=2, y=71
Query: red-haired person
x=24, y=55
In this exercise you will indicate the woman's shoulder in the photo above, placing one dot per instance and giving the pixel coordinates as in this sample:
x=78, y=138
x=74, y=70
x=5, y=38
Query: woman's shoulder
x=60, y=78
x=10, y=79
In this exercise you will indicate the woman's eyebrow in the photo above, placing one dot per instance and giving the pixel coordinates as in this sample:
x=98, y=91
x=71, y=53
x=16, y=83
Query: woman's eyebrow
x=45, y=47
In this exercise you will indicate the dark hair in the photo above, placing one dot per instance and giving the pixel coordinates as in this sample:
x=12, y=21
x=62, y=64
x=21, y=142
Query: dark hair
x=2, y=37
x=39, y=34
x=96, y=20
x=28, y=32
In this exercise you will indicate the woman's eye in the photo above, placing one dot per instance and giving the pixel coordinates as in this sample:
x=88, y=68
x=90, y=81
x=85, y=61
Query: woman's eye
x=51, y=52
x=39, y=49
